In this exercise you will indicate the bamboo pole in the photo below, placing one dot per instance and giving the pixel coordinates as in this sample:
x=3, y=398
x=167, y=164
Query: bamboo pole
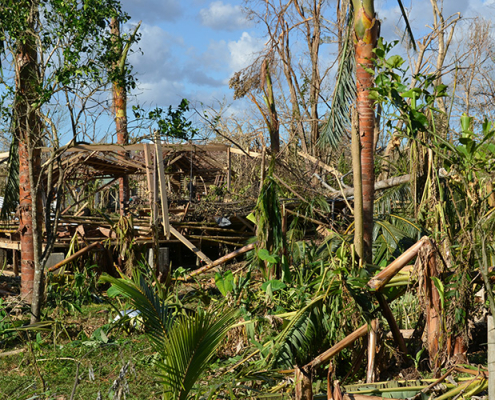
x=149, y=174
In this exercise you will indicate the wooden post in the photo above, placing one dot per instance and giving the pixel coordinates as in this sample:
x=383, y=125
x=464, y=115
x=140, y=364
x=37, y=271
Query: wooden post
x=229, y=169
x=491, y=358
x=189, y=245
x=163, y=188
x=149, y=176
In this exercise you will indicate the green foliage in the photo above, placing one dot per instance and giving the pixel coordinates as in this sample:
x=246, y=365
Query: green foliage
x=158, y=316
x=225, y=282
x=344, y=95
x=391, y=90
x=81, y=29
x=70, y=292
x=172, y=124
x=188, y=349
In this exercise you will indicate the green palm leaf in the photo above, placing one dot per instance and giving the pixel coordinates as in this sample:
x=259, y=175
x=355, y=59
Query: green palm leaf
x=344, y=95
x=157, y=316
x=187, y=350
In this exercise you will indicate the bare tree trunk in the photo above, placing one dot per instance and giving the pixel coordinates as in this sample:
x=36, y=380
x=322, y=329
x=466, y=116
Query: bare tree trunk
x=27, y=128
x=313, y=39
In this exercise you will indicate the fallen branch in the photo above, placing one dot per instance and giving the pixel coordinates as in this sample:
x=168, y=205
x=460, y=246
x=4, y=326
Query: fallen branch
x=346, y=342
x=219, y=261
x=12, y=353
x=385, y=184
x=76, y=255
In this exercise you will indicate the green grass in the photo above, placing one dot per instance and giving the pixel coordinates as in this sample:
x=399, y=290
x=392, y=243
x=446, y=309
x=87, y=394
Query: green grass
x=99, y=364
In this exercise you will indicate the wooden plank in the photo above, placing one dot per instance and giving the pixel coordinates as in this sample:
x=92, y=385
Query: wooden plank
x=189, y=245
x=149, y=177
x=10, y=244
x=138, y=147
x=163, y=188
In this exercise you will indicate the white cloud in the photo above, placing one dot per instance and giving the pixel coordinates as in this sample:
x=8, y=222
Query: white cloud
x=244, y=51
x=220, y=16
x=160, y=93
x=157, y=57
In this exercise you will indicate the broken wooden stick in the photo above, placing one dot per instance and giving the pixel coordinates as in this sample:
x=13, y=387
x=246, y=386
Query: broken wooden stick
x=76, y=255
x=372, y=341
x=381, y=279
x=219, y=261
x=346, y=342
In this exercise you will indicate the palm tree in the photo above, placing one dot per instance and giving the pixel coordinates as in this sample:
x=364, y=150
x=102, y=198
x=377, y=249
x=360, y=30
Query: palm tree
x=365, y=32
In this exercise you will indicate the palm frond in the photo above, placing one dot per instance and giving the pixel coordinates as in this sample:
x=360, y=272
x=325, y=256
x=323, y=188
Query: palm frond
x=157, y=316
x=187, y=350
x=296, y=337
x=388, y=200
x=409, y=31
x=393, y=235
x=339, y=120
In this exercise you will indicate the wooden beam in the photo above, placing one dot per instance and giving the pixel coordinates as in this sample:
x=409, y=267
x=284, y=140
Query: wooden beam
x=138, y=147
x=243, y=153
x=163, y=188
x=10, y=244
x=189, y=245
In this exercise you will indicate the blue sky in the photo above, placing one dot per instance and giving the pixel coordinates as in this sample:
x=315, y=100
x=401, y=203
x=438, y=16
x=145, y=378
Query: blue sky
x=191, y=48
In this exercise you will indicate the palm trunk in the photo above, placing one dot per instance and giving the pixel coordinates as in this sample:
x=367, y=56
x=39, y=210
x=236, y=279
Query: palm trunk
x=120, y=107
x=366, y=30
